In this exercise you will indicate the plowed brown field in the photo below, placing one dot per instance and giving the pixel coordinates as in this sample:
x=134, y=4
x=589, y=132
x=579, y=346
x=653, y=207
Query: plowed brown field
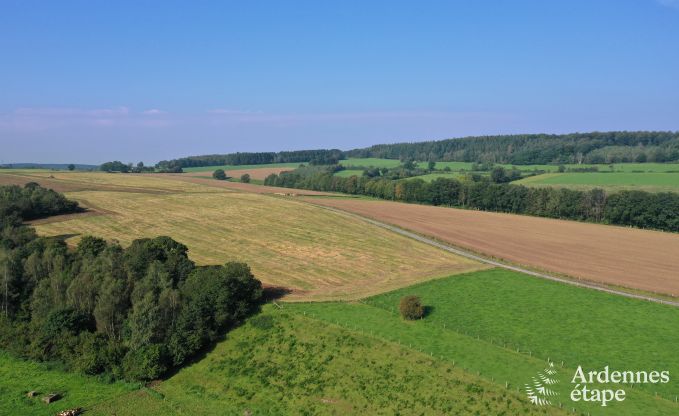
x=633, y=258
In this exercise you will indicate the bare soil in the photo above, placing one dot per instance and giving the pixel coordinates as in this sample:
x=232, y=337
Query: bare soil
x=627, y=257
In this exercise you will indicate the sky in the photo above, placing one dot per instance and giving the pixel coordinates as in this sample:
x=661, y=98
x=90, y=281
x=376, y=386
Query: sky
x=93, y=81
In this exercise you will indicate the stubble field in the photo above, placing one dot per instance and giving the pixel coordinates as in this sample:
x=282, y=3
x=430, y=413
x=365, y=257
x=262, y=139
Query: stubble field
x=313, y=253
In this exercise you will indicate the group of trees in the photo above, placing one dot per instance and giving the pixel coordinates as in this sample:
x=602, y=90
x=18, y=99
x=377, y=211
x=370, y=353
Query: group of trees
x=635, y=208
x=32, y=201
x=320, y=157
x=118, y=166
x=132, y=312
x=607, y=147
x=219, y=174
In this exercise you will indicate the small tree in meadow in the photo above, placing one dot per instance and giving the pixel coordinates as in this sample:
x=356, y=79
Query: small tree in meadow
x=411, y=307
x=245, y=178
x=219, y=174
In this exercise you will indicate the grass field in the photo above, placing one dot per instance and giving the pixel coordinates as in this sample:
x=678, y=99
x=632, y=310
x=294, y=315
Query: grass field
x=349, y=172
x=432, y=176
x=316, y=253
x=17, y=377
x=282, y=363
x=370, y=161
x=480, y=320
x=653, y=182
x=241, y=167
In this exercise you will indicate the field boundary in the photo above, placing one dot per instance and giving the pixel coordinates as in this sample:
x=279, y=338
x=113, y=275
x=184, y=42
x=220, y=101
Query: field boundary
x=497, y=263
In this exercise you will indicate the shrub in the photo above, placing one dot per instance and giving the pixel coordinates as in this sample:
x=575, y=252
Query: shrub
x=411, y=307
x=245, y=178
x=219, y=174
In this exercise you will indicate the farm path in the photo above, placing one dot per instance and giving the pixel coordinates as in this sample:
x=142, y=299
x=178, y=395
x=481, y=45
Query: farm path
x=486, y=260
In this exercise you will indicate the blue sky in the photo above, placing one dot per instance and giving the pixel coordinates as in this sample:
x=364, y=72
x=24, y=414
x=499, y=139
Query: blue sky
x=91, y=81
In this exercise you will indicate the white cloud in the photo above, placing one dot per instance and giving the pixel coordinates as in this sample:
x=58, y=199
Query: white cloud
x=153, y=112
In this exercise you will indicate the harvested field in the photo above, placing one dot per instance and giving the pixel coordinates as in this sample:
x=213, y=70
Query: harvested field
x=62, y=181
x=313, y=253
x=237, y=186
x=632, y=258
x=255, y=173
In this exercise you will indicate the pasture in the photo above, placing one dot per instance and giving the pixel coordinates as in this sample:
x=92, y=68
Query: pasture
x=648, y=181
x=369, y=162
x=432, y=176
x=17, y=377
x=310, y=251
x=505, y=326
x=349, y=172
x=227, y=168
x=281, y=363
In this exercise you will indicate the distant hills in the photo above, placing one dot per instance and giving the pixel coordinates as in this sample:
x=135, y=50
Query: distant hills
x=519, y=149
x=53, y=166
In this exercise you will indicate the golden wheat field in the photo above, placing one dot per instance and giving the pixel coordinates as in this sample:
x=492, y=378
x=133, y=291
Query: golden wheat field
x=317, y=254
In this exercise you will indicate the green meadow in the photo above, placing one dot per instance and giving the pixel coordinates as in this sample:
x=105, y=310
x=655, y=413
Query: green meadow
x=652, y=181
x=17, y=377
x=370, y=162
x=349, y=172
x=505, y=326
x=286, y=363
x=240, y=167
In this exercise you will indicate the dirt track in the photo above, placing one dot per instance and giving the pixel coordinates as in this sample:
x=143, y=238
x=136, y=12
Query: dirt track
x=639, y=259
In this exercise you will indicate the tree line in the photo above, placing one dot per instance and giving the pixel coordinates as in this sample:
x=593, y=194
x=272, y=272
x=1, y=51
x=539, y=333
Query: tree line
x=118, y=166
x=320, y=157
x=523, y=149
x=131, y=313
x=630, y=208
x=527, y=149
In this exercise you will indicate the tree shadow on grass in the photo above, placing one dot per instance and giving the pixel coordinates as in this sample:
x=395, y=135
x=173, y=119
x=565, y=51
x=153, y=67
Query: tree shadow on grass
x=270, y=293
x=428, y=310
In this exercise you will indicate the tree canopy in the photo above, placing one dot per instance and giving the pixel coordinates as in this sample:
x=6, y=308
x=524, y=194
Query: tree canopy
x=132, y=312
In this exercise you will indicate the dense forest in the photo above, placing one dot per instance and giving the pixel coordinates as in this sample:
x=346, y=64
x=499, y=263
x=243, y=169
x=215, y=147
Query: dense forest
x=132, y=312
x=319, y=157
x=632, y=208
x=526, y=149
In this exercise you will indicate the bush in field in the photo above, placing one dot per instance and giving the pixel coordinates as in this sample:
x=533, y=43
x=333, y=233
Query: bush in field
x=245, y=178
x=219, y=174
x=411, y=307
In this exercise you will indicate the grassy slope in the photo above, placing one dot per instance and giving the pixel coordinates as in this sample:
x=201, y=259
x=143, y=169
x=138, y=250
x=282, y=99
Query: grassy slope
x=615, y=180
x=349, y=172
x=456, y=166
x=18, y=377
x=652, y=177
x=321, y=254
x=241, y=167
x=301, y=366
x=507, y=310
